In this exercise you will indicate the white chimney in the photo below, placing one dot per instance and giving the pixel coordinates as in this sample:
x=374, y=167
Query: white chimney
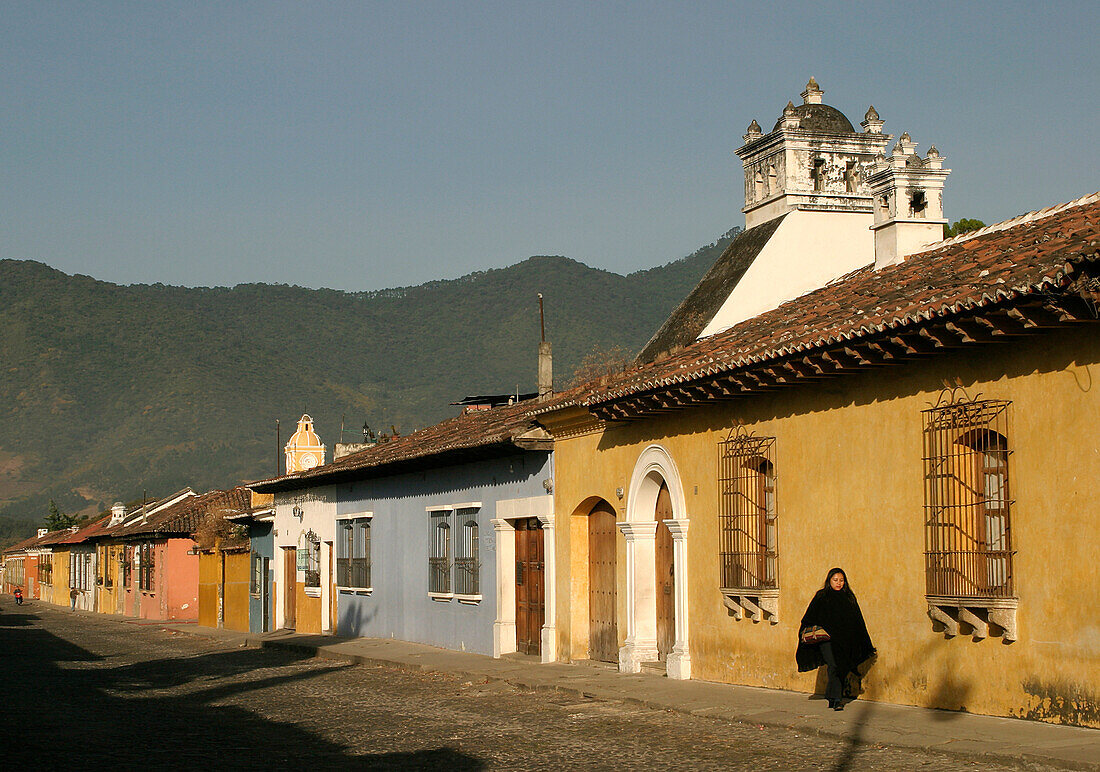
x=42, y=532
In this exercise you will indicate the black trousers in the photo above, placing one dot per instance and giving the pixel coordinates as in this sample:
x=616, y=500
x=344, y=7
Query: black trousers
x=834, y=689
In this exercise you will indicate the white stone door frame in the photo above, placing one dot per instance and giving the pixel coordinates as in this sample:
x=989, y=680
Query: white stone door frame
x=504, y=529
x=654, y=466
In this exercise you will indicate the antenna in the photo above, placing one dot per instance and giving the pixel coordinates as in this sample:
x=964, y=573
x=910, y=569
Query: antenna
x=278, y=443
x=341, y=428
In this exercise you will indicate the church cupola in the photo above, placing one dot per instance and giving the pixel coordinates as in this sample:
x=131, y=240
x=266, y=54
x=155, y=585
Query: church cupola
x=908, y=195
x=304, y=450
x=812, y=160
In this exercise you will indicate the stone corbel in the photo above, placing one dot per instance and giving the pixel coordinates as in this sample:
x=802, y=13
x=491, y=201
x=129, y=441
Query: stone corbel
x=758, y=606
x=1004, y=618
x=937, y=614
x=976, y=613
x=978, y=625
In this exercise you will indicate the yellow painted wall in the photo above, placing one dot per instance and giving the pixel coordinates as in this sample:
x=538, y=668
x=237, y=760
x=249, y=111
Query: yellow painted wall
x=209, y=579
x=850, y=493
x=236, y=590
x=107, y=565
x=60, y=588
x=308, y=611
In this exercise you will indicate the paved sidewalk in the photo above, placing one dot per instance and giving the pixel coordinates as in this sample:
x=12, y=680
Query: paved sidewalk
x=968, y=736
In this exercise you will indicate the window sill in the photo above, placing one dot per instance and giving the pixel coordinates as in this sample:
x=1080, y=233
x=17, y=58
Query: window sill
x=469, y=600
x=443, y=597
x=758, y=605
x=356, y=590
x=974, y=616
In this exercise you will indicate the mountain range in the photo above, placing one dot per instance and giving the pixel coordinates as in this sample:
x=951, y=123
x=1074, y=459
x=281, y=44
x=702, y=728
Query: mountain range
x=112, y=392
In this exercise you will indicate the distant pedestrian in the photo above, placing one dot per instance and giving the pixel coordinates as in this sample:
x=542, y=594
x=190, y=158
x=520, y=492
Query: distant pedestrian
x=72, y=599
x=833, y=634
x=18, y=596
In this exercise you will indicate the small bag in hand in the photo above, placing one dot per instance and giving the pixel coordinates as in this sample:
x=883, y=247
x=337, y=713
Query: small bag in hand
x=814, y=635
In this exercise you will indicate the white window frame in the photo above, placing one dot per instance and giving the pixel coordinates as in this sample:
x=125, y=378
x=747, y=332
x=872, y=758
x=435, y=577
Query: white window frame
x=445, y=516
x=363, y=522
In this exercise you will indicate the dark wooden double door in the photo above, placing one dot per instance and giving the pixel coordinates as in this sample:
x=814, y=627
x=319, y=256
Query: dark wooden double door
x=530, y=589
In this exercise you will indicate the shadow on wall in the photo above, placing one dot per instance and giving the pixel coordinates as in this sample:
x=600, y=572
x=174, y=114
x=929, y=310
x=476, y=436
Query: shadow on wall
x=116, y=708
x=353, y=617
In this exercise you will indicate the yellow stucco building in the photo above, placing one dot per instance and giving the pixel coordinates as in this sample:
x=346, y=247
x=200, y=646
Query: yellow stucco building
x=926, y=421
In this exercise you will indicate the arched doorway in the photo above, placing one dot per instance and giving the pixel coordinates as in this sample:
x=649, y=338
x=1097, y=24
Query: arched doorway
x=603, y=630
x=656, y=564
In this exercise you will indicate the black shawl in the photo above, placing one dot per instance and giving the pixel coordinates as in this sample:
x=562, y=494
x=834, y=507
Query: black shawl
x=838, y=612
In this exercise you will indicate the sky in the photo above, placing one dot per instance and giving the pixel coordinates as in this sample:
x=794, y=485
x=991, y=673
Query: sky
x=367, y=145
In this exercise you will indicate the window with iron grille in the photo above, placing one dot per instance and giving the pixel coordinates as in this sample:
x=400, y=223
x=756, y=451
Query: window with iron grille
x=467, y=558
x=127, y=561
x=146, y=567
x=353, y=553
x=313, y=560
x=45, y=569
x=108, y=559
x=967, y=502
x=256, y=575
x=748, y=554
x=439, y=559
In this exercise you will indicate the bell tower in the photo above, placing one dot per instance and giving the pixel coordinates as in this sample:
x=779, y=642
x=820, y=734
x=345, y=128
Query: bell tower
x=908, y=194
x=812, y=160
x=304, y=450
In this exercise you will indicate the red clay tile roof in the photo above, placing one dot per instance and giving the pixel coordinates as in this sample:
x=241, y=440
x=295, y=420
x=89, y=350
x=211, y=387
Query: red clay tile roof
x=1043, y=252
x=22, y=545
x=184, y=516
x=87, y=532
x=474, y=431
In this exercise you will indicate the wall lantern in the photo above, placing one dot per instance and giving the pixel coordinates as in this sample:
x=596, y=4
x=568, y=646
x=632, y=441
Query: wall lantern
x=297, y=512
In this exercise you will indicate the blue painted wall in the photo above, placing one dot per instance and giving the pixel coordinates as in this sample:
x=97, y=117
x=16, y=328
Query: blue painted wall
x=263, y=542
x=399, y=606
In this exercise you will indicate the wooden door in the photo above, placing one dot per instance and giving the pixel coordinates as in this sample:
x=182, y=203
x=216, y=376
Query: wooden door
x=603, y=633
x=290, y=587
x=530, y=606
x=663, y=572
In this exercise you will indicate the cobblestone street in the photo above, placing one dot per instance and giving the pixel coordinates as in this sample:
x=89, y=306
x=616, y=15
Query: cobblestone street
x=86, y=691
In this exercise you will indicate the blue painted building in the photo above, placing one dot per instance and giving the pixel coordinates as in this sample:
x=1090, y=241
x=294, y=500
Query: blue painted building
x=443, y=537
x=263, y=570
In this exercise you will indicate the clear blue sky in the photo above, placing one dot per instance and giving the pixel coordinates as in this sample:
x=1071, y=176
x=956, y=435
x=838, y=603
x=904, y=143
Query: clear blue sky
x=376, y=144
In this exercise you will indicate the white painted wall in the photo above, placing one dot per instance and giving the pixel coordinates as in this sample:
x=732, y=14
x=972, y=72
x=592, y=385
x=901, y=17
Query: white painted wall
x=807, y=251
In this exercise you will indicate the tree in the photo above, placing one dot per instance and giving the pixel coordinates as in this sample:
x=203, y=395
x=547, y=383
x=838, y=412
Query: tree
x=961, y=226
x=56, y=519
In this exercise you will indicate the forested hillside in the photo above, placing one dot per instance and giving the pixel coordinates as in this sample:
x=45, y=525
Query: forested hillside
x=107, y=391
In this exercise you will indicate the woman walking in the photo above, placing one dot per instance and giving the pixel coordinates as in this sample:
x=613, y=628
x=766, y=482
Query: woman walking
x=834, y=634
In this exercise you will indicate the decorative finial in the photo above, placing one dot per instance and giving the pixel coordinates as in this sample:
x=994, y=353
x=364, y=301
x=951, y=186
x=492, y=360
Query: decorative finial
x=933, y=153
x=872, y=114
x=905, y=137
x=789, y=109
x=813, y=92
x=753, y=131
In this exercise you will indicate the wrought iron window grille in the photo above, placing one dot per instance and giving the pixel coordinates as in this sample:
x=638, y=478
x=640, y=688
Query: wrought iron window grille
x=968, y=514
x=748, y=526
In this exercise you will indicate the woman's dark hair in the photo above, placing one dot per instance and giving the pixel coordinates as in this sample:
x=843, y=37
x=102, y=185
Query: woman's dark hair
x=847, y=590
